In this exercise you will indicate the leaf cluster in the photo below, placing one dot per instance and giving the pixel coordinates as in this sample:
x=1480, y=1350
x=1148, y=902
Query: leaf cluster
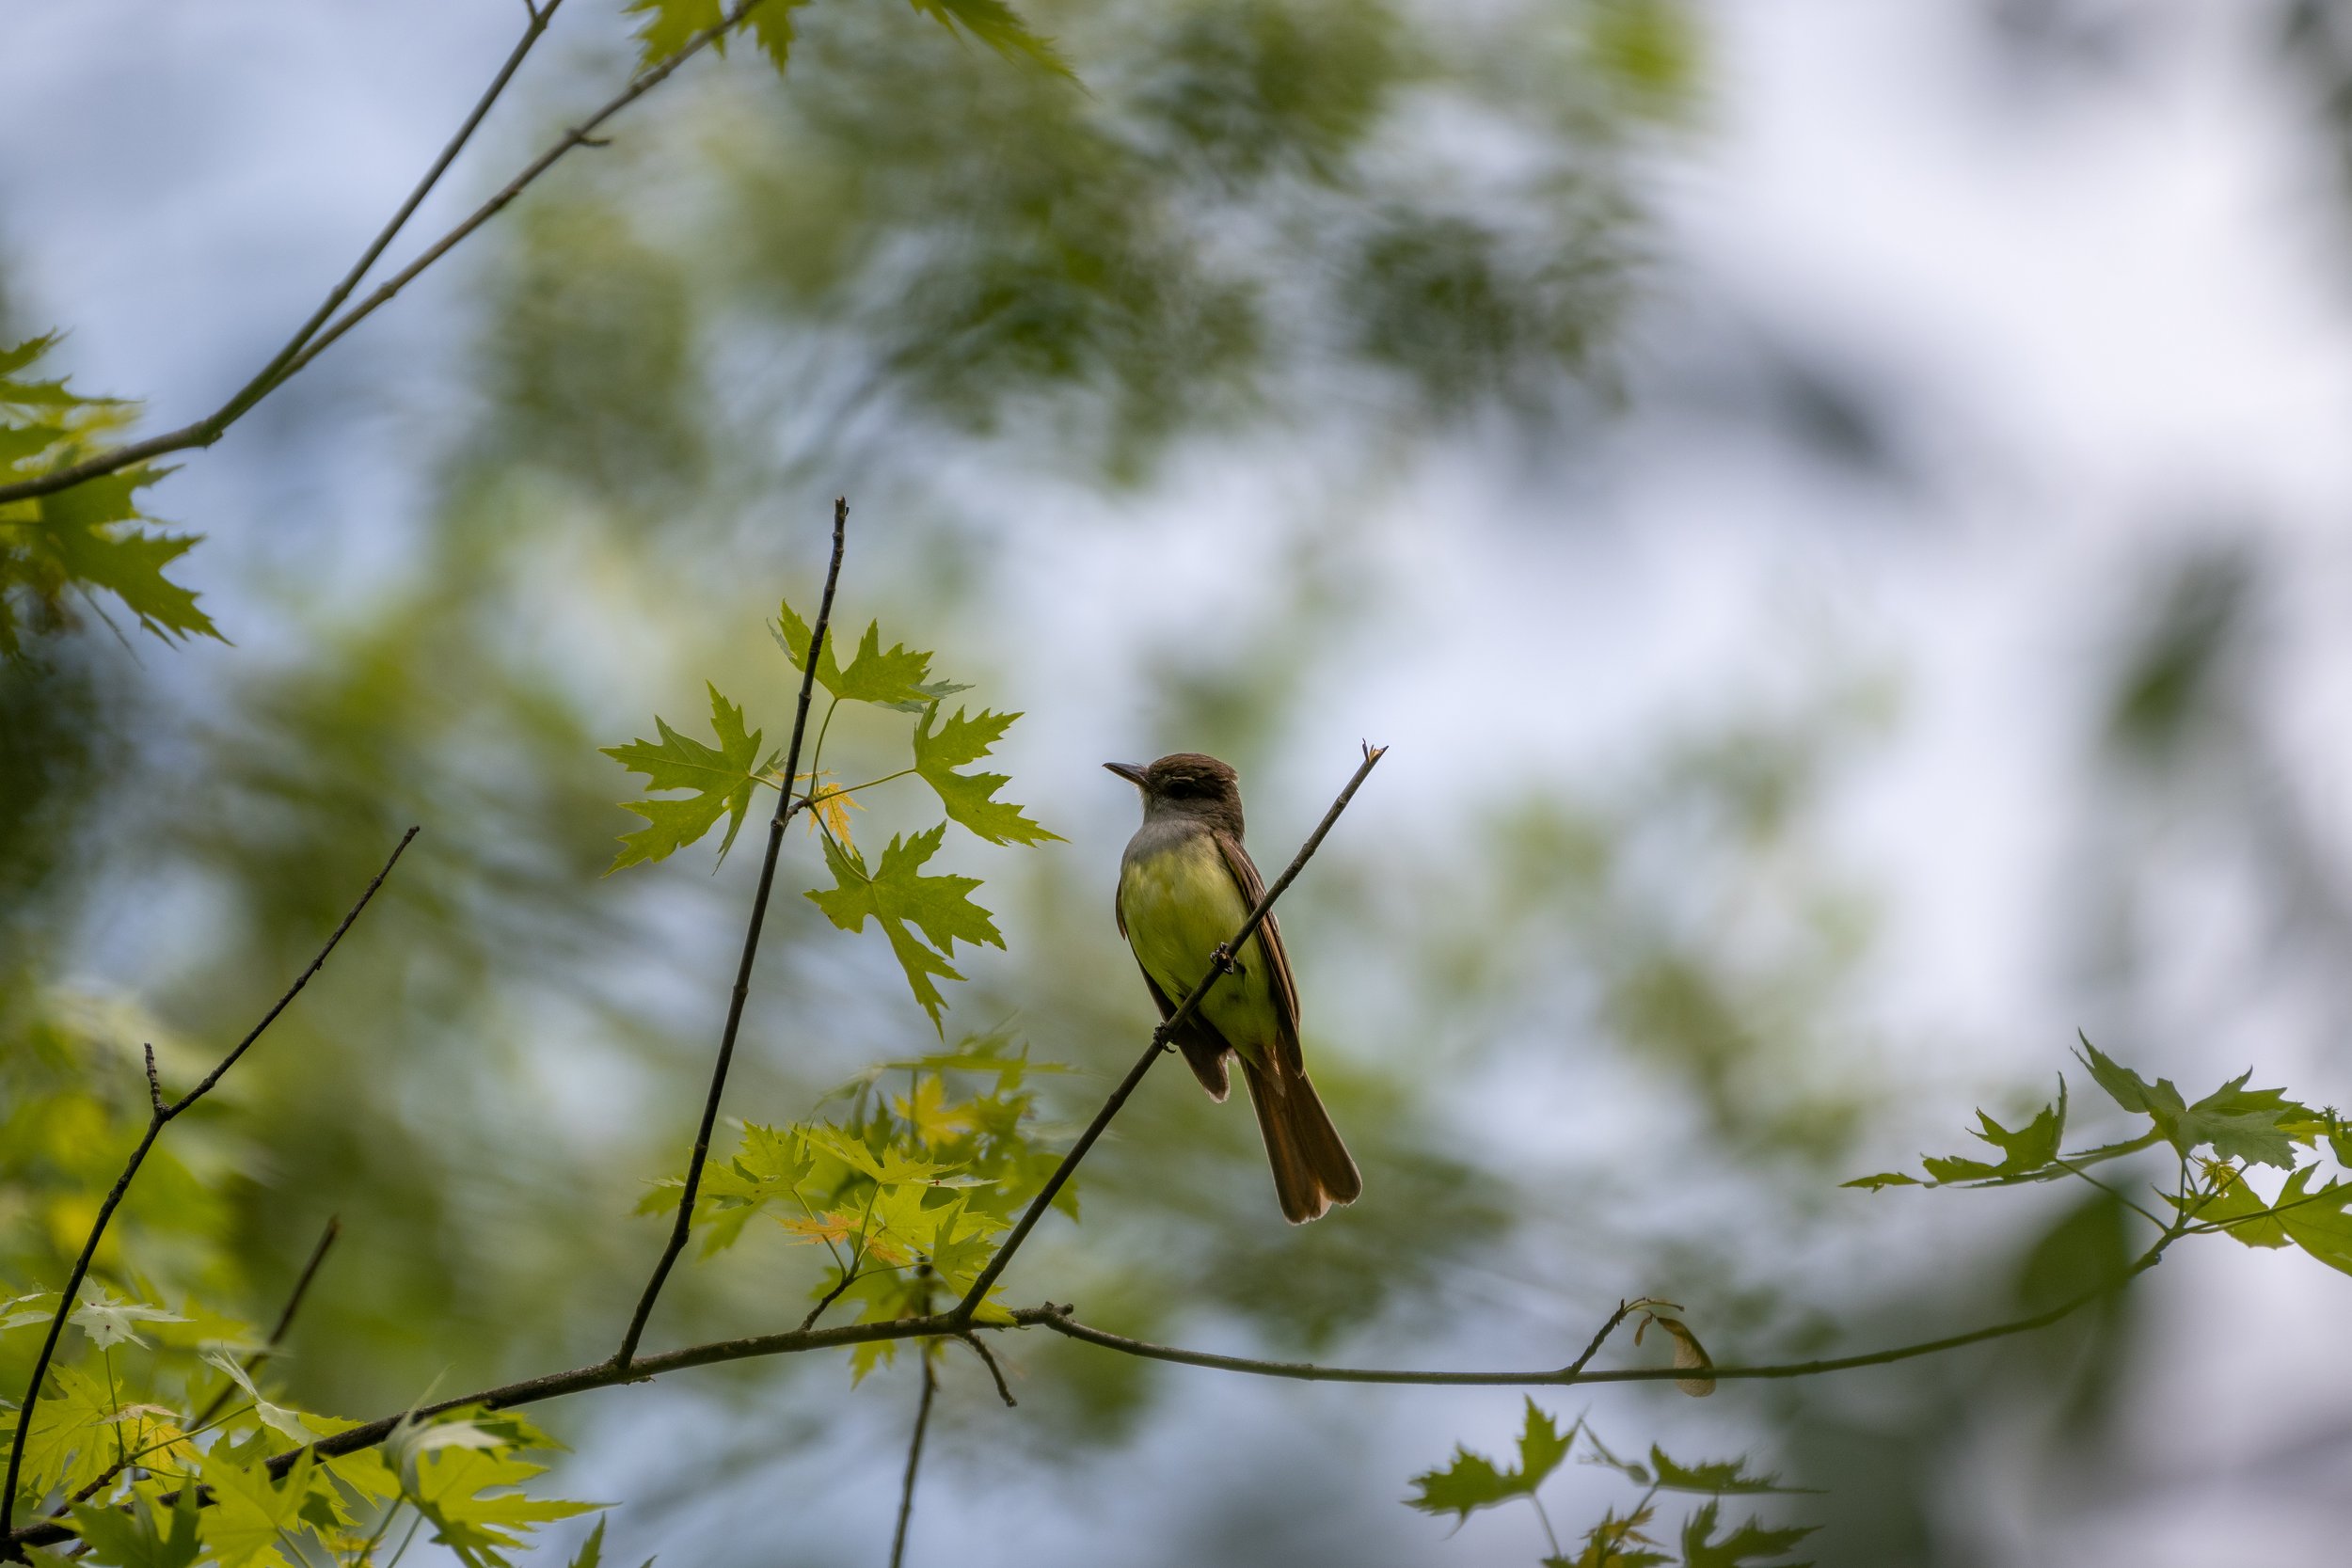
x=2217, y=1140
x=90, y=539
x=669, y=25
x=131, y=1431
x=907, y=1192
x=1621, y=1540
x=923, y=915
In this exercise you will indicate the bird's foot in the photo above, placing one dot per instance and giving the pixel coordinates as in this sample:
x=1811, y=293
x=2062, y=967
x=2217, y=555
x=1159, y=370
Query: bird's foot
x=1224, y=959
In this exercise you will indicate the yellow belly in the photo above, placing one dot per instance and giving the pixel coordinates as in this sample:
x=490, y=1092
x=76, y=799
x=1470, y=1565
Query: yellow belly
x=1178, y=905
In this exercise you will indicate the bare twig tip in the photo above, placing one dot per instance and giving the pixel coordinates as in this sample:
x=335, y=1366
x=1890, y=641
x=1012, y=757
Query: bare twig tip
x=995, y=1371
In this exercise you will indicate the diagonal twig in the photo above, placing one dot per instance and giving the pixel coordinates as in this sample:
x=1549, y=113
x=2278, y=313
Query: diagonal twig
x=317, y=333
x=1160, y=1036
x=158, y=1119
x=785, y=807
x=988, y=1359
x=285, y=1317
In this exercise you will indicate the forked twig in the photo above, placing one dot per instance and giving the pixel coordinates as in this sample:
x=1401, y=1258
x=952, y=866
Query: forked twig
x=162, y=1116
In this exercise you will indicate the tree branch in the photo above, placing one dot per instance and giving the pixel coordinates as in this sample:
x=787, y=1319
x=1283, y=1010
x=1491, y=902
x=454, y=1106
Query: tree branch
x=914, y=1458
x=605, y=1374
x=988, y=1359
x=1061, y=1322
x=316, y=333
x=158, y=1119
x=1160, y=1036
x=785, y=804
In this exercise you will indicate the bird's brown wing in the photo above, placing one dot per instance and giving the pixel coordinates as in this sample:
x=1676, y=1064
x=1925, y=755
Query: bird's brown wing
x=1285, y=988
x=1204, y=1049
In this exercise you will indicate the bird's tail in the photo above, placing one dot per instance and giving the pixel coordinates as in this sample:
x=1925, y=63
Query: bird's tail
x=1312, y=1169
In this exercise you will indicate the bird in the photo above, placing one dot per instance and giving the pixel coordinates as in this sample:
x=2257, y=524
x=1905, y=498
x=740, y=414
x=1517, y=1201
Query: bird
x=1186, y=885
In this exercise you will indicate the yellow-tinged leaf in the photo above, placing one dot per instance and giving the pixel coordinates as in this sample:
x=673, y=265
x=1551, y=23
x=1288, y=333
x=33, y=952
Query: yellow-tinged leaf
x=928, y=1114
x=832, y=807
x=829, y=1225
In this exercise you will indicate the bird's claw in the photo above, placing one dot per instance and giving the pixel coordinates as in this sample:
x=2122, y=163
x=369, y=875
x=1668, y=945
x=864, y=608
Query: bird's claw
x=1224, y=959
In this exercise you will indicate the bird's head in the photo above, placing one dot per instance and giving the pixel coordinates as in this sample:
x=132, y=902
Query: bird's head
x=1187, y=783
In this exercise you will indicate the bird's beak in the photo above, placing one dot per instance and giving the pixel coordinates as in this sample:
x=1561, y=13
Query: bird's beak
x=1132, y=773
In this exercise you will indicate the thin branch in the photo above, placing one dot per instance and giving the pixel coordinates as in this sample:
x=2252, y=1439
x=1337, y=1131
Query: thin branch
x=1061, y=1322
x=1160, y=1042
x=583, y=135
x=2143, y=1213
x=294, y=1301
x=1600, y=1336
x=296, y=990
x=988, y=1360
x=317, y=333
x=158, y=1119
x=849, y=1278
x=606, y=1374
x=915, y=1459
x=282, y=364
x=685, y=1222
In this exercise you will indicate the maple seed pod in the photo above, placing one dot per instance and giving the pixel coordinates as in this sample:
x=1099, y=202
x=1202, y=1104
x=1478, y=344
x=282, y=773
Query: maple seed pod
x=1689, y=1354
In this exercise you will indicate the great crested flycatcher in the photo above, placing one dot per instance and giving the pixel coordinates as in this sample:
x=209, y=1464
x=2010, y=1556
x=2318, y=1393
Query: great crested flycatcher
x=1186, y=885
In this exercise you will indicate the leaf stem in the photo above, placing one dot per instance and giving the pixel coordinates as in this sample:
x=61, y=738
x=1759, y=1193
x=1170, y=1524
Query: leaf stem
x=2143, y=1213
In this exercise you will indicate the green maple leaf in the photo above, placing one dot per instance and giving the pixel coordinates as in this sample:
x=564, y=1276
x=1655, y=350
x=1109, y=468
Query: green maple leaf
x=905, y=902
x=2317, y=1220
x=897, y=678
x=471, y=1497
x=720, y=779
x=2239, y=1123
x=671, y=24
x=1749, y=1544
x=251, y=1513
x=108, y=1322
x=968, y=797
x=2025, y=1152
x=2239, y=1210
x=130, y=565
x=1474, y=1482
x=772, y=24
x=1719, y=1478
x=2258, y=1125
x=1470, y=1483
x=69, y=1443
x=999, y=26
x=771, y=1163
x=142, y=1533
x=86, y=538
x=2028, y=1153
